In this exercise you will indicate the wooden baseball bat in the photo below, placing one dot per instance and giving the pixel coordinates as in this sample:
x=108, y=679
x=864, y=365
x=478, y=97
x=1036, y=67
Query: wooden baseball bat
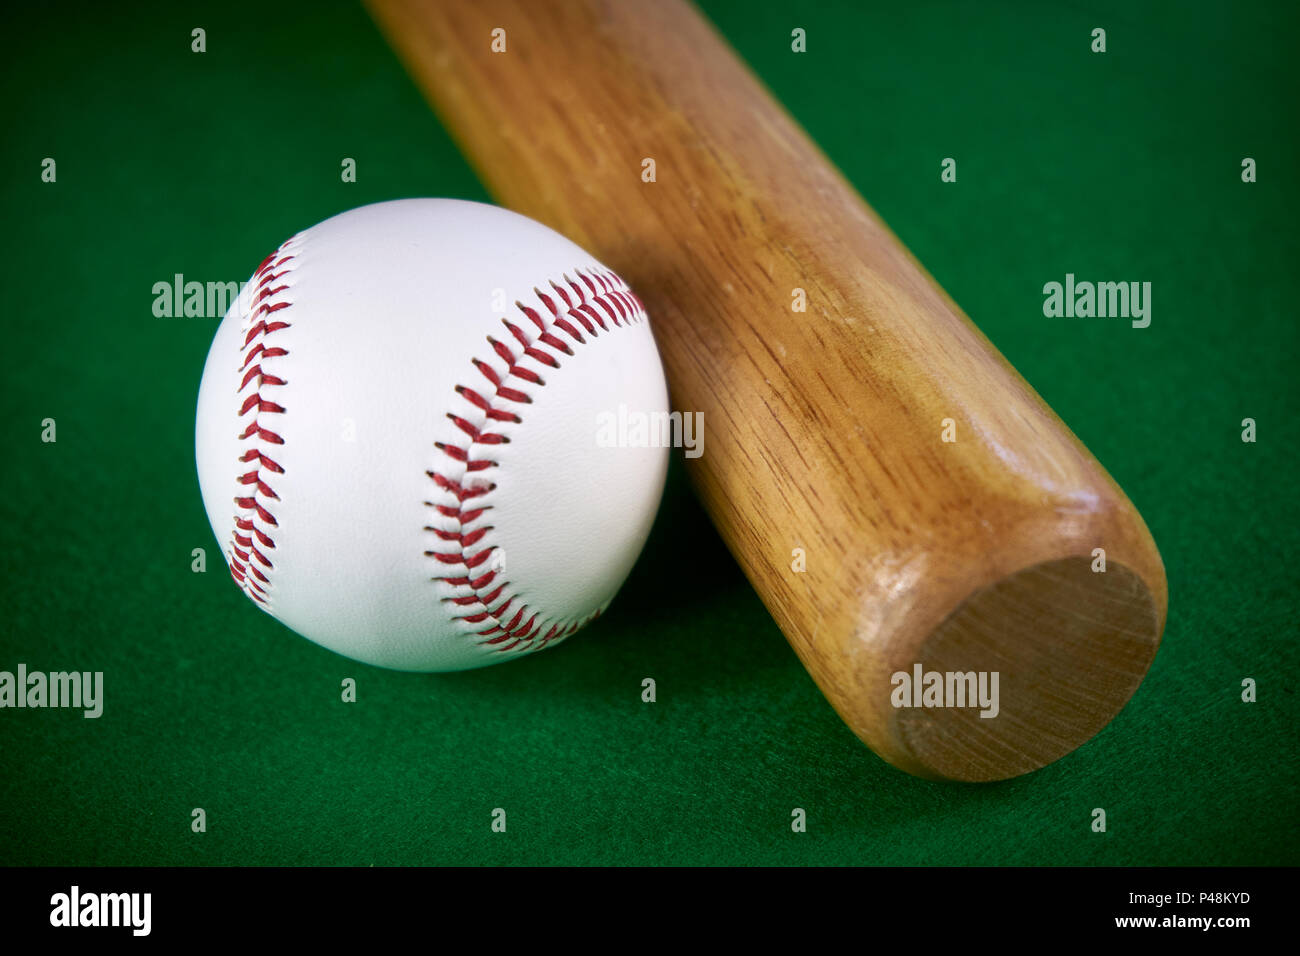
x=828, y=432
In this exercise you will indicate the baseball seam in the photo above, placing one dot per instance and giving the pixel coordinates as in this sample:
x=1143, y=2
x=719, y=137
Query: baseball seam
x=250, y=545
x=544, y=335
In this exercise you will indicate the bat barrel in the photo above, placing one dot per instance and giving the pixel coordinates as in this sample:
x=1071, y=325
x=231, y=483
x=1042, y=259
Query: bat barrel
x=902, y=501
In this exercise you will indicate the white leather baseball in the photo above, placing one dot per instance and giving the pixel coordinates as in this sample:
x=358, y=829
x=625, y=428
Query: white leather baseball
x=397, y=435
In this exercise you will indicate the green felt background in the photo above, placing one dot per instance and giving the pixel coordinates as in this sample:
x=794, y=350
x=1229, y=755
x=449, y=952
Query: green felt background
x=1117, y=166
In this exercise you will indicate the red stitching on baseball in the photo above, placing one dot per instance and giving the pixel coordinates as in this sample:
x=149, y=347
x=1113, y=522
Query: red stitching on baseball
x=580, y=308
x=250, y=541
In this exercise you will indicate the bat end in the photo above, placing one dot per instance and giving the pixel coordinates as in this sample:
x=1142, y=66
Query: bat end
x=1050, y=653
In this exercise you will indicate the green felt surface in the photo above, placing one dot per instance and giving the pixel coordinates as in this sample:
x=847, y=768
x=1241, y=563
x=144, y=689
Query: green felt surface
x=1122, y=166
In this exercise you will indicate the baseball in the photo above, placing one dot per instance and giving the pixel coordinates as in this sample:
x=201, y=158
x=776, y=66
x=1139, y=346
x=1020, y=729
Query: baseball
x=397, y=435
